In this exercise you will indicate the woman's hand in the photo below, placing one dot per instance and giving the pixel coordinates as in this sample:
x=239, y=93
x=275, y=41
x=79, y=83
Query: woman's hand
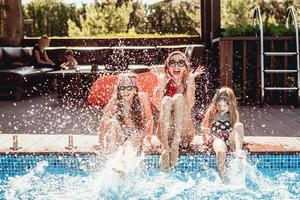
x=200, y=70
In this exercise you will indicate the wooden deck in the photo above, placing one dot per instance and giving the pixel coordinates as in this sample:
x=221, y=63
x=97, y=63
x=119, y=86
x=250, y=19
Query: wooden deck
x=271, y=121
x=48, y=115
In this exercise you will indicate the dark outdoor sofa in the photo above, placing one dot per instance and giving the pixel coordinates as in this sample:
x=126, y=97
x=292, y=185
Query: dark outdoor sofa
x=17, y=74
x=18, y=77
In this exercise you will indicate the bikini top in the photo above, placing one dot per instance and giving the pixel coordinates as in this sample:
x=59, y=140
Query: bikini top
x=171, y=89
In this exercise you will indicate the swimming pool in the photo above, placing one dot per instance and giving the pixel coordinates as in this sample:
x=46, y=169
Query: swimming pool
x=261, y=176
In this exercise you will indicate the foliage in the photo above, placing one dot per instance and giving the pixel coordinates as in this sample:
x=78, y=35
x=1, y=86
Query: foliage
x=249, y=30
x=240, y=12
x=132, y=17
x=174, y=17
x=49, y=17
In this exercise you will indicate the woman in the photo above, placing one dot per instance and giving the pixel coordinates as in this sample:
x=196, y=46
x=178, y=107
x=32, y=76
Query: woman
x=175, y=98
x=127, y=116
x=222, y=129
x=40, y=57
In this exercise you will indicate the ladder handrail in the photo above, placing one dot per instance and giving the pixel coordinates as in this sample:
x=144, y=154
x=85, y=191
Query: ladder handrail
x=257, y=16
x=292, y=14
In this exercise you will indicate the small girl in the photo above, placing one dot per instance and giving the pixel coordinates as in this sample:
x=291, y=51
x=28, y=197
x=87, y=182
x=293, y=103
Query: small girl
x=70, y=62
x=222, y=129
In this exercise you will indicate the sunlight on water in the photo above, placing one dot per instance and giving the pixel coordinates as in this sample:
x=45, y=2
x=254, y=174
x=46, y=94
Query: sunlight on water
x=244, y=181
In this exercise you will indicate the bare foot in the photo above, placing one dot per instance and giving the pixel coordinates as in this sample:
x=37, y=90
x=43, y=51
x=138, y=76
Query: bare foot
x=119, y=172
x=174, y=155
x=164, y=160
x=240, y=154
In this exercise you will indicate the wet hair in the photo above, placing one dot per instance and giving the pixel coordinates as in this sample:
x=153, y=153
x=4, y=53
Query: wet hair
x=136, y=111
x=226, y=94
x=187, y=65
x=69, y=52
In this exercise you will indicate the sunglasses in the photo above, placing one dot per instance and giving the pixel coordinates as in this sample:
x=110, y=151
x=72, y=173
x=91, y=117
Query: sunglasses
x=128, y=88
x=179, y=63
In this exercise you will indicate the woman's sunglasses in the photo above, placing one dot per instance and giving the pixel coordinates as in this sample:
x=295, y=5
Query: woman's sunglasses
x=179, y=63
x=128, y=88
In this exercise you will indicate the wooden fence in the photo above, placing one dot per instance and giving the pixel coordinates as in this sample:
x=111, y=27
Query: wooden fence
x=239, y=67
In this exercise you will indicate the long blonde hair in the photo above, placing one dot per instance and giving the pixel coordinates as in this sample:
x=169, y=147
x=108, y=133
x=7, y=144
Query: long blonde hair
x=187, y=65
x=227, y=94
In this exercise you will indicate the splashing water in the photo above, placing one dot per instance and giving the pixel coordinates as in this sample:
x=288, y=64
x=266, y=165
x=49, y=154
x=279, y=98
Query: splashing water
x=244, y=182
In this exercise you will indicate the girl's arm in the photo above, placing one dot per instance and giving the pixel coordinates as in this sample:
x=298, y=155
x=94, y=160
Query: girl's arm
x=107, y=115
x=148, y=114
x=159, y=91
x=191, y=88
x=190, y=93
x=205, y=134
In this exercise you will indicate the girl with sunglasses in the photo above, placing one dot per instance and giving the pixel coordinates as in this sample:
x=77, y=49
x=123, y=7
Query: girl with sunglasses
x=127, y=116
x=175, y=98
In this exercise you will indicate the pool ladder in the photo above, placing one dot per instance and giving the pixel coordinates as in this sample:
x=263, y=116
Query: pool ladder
x=290, y=15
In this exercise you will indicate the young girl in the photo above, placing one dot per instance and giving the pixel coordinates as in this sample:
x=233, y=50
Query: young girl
x=222, y=129
x=70, y=62
x=127, y=117
x=174, y=99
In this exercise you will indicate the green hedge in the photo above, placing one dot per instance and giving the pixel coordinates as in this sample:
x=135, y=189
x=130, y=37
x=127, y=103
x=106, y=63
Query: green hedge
x=249, y=30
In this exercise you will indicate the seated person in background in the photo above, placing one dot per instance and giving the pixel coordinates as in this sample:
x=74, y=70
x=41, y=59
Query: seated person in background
x=70, y=62
x=222, y=129
x=39, y=54
x=126, y=118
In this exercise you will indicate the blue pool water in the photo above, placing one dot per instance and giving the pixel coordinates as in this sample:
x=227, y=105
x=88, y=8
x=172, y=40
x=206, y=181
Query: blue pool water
x=195, y=177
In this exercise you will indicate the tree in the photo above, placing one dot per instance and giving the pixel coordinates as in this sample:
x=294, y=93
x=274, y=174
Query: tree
x=240, y=12
x=174, y=17
x=103, y=18
x=49, y=17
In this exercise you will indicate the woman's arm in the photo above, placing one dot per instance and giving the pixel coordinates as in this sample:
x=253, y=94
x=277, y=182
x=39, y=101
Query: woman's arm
x=38, y=58
x=49, y=61
x=148, y=114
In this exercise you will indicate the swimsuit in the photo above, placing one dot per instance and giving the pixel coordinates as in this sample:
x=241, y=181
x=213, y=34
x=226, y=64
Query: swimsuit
x=170, y=89
x=130, y=132
x=221, y=128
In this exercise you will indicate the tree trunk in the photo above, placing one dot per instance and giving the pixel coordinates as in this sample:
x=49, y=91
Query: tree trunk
x=14, y=20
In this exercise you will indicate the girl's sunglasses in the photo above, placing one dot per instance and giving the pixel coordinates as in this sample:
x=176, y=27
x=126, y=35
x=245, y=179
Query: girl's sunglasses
x=128, y=88
x=179, y=63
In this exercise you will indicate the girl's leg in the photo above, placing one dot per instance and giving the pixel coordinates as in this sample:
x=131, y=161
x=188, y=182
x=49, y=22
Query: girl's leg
x=219, y=147
x=178, y=123
x=236, y=138
x=138, y=142
x=166, y=108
